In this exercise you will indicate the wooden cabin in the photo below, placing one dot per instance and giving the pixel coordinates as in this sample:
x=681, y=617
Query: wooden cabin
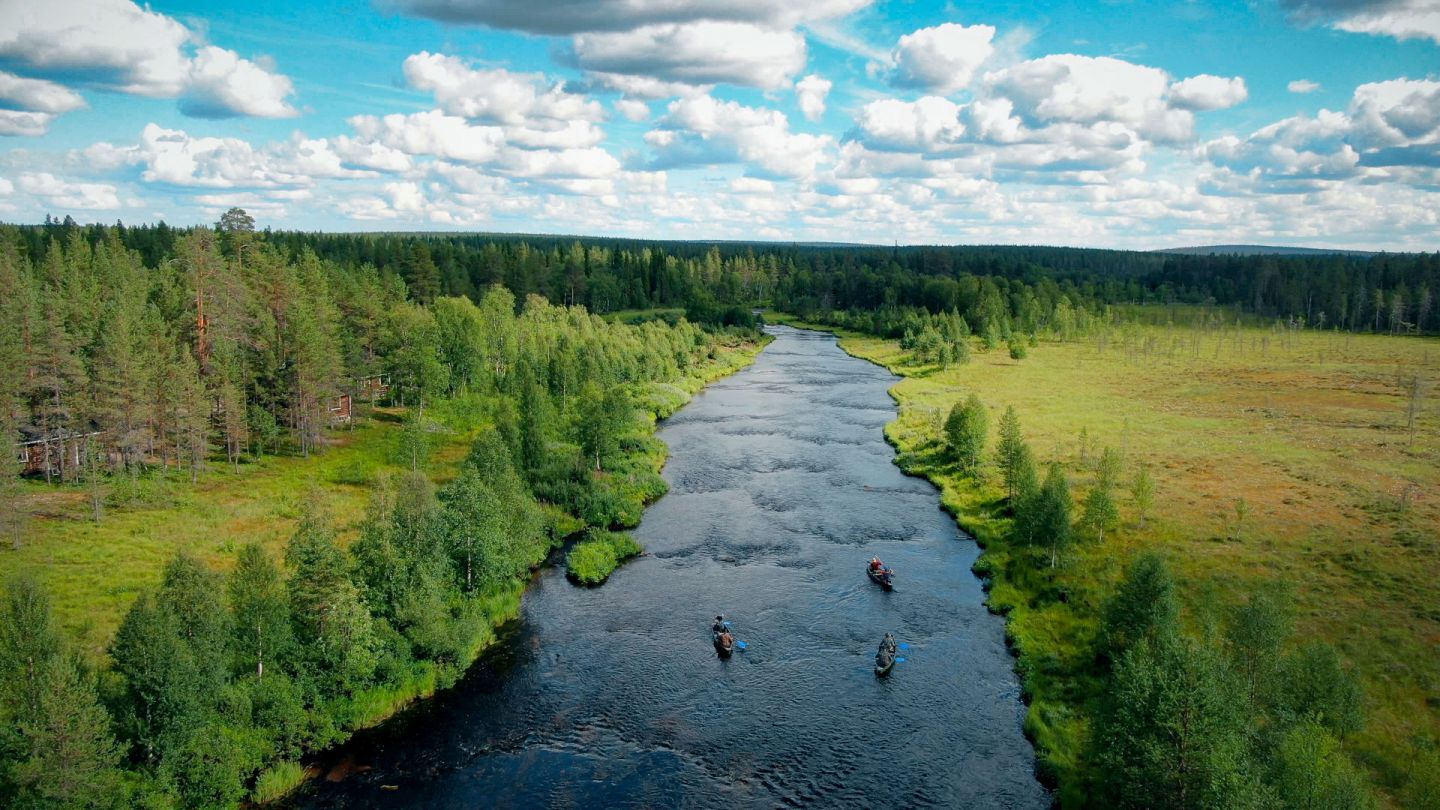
x=376, y=386
x=340, y=410
x=51, y=455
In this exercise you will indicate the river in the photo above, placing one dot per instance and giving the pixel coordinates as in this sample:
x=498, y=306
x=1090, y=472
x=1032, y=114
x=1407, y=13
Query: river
x=781, y=487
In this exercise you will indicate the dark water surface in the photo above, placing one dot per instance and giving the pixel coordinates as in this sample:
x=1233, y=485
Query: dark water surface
x=782, y=487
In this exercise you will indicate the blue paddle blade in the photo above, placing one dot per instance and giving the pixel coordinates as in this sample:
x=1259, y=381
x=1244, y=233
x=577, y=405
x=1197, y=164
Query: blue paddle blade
x=725, y=624
x=899, y=660
x=904, y=646
x=742, y=645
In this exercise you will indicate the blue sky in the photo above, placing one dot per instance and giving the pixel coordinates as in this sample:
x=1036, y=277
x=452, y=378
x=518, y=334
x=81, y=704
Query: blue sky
x=1126, y=124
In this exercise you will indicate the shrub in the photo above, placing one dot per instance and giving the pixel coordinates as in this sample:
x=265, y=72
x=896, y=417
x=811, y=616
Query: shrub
x=592, y=560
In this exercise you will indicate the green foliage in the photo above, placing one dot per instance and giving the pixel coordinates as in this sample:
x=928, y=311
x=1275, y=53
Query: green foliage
x=71, y=758
x=1313, y=682
x=966, y=431
x=261, y=611
x=1170, y=732
x=603, y=415
x=1257, y=634
x=1144, y=607
x=1018, y=350
x=1042, y=516
x=209, y=768
x=1142, y=494
x=1312, y=773
x=593, y=559
x=336, y=634
x=56, y=747
x=1100, y=512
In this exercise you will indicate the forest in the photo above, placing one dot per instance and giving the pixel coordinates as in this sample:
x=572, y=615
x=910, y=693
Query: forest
x=126, y=376
x=144, y=353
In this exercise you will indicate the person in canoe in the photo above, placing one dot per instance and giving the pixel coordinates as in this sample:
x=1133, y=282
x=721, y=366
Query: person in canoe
x=880, y=573
x=885, y=656
x=724, y=639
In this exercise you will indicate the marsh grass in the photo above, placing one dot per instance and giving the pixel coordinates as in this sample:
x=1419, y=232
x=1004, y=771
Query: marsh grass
x=277, y=781
x=1308, y=428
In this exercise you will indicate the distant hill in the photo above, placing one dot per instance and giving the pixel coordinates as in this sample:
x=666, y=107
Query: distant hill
x=1263, y=250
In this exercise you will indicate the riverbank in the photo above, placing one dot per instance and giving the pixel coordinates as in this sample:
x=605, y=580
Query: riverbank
x=1279, y=460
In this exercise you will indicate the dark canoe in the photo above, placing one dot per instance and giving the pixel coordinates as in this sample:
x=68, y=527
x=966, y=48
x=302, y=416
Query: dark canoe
x=884, y=662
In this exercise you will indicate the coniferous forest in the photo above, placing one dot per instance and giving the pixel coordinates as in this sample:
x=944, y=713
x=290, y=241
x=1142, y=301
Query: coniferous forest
x=136, y=354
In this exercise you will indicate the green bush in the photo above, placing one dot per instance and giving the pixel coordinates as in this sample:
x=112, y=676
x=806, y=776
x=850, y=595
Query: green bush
x=592, y=560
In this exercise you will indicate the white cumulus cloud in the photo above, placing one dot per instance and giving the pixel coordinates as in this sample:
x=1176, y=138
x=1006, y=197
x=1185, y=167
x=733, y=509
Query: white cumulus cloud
x=61, y=193
x=119, y=46
x=576, y=16
x=942, y=59
x=705, y=52
x=1206, y=92
x=703, y=131
x=810, y=93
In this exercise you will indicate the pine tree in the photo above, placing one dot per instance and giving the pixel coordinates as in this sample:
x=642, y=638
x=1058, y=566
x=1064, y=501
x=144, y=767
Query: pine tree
x=335, y=632
x=56, y=378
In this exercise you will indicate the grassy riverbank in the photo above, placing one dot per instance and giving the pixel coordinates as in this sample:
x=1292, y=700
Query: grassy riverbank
x=1281, y=460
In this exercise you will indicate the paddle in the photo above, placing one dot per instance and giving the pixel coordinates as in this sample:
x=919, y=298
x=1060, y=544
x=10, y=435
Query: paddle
x=738, y=643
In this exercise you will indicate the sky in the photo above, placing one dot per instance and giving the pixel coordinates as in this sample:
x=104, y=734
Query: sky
x=1111, y=124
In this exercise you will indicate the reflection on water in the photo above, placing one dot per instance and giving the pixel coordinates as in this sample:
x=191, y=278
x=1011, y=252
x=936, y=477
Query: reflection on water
x=781, y=488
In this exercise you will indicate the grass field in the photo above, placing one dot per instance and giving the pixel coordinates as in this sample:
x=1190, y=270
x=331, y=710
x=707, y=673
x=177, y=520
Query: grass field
x=1282, y=459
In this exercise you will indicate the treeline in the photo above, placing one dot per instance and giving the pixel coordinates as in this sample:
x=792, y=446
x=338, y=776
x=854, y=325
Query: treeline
x=718, y=283
x=1228, y=710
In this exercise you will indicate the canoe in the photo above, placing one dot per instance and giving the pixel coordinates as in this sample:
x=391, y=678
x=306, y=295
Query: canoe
x=878, y=579
x=884, y=662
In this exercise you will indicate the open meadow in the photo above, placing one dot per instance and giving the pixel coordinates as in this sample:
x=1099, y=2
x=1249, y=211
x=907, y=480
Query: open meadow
x=1294, y=460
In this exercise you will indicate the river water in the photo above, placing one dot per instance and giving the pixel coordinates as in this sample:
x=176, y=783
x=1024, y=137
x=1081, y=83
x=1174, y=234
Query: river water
x=782, y=486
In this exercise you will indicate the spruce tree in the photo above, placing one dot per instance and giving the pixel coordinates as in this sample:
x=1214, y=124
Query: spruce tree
x=72, y=759
x=1009, y=452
